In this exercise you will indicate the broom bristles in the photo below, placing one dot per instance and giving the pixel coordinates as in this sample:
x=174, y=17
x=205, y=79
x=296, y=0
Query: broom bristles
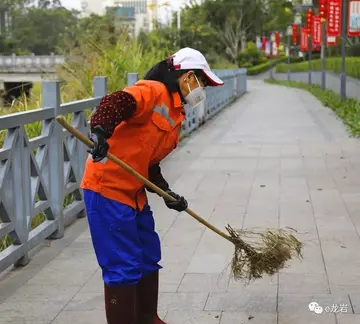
x=264, y=257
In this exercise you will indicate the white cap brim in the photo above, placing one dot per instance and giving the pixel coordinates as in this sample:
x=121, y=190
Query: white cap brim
x=213, y=79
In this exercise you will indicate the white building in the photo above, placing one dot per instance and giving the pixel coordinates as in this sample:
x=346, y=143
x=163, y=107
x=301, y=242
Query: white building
x=146, y=11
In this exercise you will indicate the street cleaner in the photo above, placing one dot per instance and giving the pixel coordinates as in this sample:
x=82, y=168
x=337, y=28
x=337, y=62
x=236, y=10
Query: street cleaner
x=140, y=125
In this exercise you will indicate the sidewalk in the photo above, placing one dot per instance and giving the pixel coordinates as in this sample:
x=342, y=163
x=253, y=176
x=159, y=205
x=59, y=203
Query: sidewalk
x=274, y=158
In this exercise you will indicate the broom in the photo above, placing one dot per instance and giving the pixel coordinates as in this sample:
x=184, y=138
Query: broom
x=249, y=262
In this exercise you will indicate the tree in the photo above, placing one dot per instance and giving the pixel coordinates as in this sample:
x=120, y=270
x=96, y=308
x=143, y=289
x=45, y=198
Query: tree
x=46, y=4
x=234, y=34
x=42, y=31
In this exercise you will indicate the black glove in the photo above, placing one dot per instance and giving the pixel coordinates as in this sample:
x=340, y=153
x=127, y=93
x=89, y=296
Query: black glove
x=179, y=205
x=156, y=178
x=101, y=146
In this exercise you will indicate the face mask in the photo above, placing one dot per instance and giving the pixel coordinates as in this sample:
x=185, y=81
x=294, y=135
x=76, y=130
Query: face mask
x=196, y=96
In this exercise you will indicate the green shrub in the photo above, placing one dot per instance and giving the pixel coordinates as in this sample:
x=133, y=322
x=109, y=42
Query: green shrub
x=223, y=63
x=258, y=69
x=347, y=110
x=352, y=66
x=251, y=55
x=246, y=65
x=354, y=50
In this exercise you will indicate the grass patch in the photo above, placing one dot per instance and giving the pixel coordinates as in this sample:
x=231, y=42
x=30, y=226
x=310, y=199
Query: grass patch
x=260, y=68
x=332, y=64
x=347, y=110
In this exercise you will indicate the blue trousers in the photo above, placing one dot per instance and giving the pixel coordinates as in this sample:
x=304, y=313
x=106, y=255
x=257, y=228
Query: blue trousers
x=124, y=239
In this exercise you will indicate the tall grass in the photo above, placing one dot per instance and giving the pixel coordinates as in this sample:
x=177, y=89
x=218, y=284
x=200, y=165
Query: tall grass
x=99, y=59
x=112, y=61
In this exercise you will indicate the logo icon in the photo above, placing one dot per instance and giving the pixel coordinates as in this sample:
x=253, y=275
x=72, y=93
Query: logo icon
x=316, y=308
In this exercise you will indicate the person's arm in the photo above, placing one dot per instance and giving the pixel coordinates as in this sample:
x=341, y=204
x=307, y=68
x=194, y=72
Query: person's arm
x=113, y=109
x=132, y=103
x=156, y=177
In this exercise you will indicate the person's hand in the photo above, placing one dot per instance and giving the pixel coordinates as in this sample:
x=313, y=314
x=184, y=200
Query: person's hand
x=101, y=146
x=179, y=205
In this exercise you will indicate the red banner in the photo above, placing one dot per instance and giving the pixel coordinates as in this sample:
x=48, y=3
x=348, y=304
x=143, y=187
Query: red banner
x=263, y=43
x=303, y=40
x=353, y=27
x=334, y=17
x=277, y=39
x=294, y=33
x=316, y=31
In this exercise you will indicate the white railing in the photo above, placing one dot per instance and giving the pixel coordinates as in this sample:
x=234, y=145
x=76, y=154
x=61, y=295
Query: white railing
x=30, y=63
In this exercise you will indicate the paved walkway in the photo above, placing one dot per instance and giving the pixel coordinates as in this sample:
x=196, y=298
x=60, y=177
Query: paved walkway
x=274, y=158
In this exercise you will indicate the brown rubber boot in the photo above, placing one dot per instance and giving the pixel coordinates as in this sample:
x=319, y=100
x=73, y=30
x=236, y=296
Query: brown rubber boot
x=147, y=293
x=120, y=304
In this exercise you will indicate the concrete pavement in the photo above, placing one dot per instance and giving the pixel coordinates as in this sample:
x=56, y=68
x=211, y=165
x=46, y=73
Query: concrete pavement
x=274, y=158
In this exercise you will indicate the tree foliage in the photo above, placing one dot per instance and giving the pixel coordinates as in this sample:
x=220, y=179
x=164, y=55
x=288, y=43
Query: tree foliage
x=218, y=28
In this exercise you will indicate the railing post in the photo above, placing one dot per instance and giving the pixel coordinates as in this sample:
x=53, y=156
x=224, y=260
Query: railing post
x=245, y=80
x=236, y=74
x=132, y=78
x=21, y=186
x=51, y=99
x=99, y=87
x=53, y=59
x=199, y=114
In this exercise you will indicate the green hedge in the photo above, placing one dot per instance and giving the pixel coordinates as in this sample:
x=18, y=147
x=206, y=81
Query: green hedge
x=352, y=66
x=347, y=110
x=257, y=69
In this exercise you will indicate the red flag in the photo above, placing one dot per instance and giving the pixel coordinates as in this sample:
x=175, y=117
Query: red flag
x=334, y=18
x=294, y=33
x=316, y=31
x=303, y=39
x=277, y=39
x=263, y=44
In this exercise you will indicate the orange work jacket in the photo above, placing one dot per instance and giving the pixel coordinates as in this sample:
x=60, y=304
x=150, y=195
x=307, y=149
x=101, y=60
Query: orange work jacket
x=145, y=139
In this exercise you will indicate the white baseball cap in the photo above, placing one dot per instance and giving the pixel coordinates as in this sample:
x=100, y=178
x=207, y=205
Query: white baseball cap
x=188, y=59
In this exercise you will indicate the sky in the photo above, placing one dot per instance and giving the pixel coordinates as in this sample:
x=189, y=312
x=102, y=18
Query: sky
x=76, y=4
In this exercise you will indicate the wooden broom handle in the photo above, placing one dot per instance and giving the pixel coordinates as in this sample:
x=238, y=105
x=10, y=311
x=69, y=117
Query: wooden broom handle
x=61, y=120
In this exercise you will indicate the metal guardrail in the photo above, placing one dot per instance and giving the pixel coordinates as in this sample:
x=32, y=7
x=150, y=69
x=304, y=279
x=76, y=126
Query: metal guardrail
x=42, y=174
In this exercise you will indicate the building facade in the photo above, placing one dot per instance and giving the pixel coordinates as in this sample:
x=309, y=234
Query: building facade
x=143, y=13
x=124, y=18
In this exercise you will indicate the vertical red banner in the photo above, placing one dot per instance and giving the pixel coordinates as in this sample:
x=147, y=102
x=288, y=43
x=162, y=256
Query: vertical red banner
x=303, y=39
x=316, y=30
x=277, y=39
x=294, y=33
x=263, y=44
x=334, y=17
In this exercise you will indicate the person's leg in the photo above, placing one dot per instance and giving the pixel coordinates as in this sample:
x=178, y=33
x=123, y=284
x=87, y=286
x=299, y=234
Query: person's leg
x=148, y=287
x=117, y=247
